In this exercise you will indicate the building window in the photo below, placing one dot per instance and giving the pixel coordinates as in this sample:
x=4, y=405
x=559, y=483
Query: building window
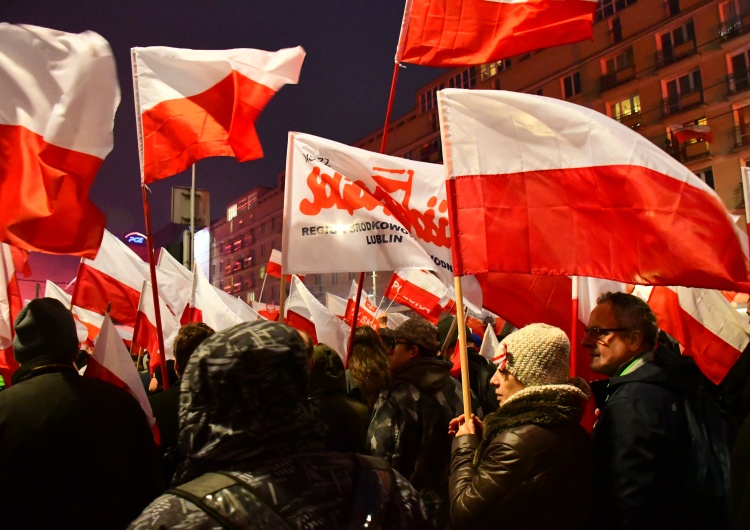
x=262, y=272
x=683, y=92
x=238, y=264
x=627, y=111
x=428, y=99
x=676, y=44
x=464, y=79
x=487, y=71
x=231, y=212
x=316, y=279
x=707, y=176
x=237, y=244
x=431, y=151
x=738, y=71
x=731, y=19
x=607, y=8
x=571, y=85
x=742, y=126
x=618, y=62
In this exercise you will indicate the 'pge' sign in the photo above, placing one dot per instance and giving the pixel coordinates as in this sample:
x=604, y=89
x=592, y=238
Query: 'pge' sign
x=135, y=238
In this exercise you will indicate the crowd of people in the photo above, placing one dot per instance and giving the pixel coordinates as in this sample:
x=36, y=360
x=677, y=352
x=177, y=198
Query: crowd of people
x=261, y=428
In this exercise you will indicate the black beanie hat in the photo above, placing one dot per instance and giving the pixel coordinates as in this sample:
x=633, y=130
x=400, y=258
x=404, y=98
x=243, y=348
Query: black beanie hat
x=45, y=328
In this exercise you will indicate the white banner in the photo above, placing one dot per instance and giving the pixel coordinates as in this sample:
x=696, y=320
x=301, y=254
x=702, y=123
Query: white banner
x=351, y=210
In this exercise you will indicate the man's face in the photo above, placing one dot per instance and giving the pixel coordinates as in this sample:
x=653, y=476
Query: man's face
x=401, y=352
x=610, y=349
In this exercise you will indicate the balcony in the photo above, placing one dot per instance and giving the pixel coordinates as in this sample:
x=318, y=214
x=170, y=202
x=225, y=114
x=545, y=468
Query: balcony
x=632, y=120
x=617, y=77
x=734, y=27
x=684, y=101
x=677, y=53
x=738, y=82
x=742, y=136
x=693, y=151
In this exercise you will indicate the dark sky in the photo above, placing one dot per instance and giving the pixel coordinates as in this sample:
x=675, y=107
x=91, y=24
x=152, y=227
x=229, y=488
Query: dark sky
x=342, y=92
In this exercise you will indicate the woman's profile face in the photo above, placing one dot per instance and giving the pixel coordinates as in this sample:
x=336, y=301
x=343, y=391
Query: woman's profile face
x=505, y=385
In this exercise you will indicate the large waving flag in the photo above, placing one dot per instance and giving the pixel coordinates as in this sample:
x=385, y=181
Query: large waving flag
x=536, y=187
x=90, y=320
x=59, y=96
x=305, y=313
x=192, y=104
x=466, y=32
x=12, y=260
x=176, y=293
x=218, y=309
x=110, y=362
x=351, y=210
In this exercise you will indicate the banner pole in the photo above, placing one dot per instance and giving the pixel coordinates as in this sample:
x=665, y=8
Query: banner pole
x=574, y=326
x=463, y=354
x=137, y=326
x=354, y=318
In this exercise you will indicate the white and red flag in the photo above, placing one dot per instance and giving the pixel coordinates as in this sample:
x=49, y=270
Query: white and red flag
x=267, y=311
x=706, y=325
x=336, y=305
x=193, y=104
x=218, y=309
x=419, y=290
x=144, y=331
x=59, y=96
x=273, y=268
x=351, y=210
x=176, y=293
x=368, y=312
x=536, y=187
x=12, y=261
x=489, y=344
x=90, y=320
x=304, y=312
x=684, y=133
x=466, y=32
x=110, y=362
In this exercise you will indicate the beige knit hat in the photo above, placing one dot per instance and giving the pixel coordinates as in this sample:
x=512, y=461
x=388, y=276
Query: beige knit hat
x=537, y=354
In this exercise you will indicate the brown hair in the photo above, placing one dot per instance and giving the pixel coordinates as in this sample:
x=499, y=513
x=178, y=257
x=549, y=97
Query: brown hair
x=187, y=340
x=369, y=364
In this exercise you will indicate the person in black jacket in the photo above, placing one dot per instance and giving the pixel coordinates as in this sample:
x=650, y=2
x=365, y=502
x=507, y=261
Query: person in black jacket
x=642, y=443
x=74, y=452
x=529, y=464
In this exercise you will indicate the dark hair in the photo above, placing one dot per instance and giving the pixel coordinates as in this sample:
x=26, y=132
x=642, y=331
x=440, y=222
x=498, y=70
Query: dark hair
x=633, y=313
x=187, y=340
x=369, y=364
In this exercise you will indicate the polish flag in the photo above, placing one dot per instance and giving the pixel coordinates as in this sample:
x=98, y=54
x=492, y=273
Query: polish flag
x=12, y=261
x=418, y=290
x=684, y=133
x=59, y=96
x=176, y=293
x=466, y=32
x=110, y=362
x=304, y=312
x=709, y=329
x=218, y=309
x=368, y=312
x=489, y=344
x=267, y=311
x=273, y=268
x=145, y=333
x=90, y=320
x=115, y=276
x=192, y=104
x=536, y=187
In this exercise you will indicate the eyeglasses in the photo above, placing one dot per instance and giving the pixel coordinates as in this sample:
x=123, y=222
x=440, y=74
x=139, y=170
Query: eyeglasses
x=600, y=332
x=395, y=342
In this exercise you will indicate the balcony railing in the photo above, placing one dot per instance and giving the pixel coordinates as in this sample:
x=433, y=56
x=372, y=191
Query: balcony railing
x=665, y=57
x=632, y=120
x=734, y=27
x=684, y=101
x=738, y=82
x=742, y=136
x=694, y=150
x=617, y=77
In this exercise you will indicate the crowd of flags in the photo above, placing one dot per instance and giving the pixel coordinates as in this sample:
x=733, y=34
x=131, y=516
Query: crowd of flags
x=534, y=191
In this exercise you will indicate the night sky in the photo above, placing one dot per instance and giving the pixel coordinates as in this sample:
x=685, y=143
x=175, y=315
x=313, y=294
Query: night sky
x=342, y=93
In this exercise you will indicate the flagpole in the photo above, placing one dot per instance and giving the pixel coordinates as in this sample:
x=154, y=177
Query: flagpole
x=263, y=286
x=137, y=319
x=354, y=318
x=192, y=220
x=463, y=353
x=154, y=288
x=75, y=287
x=573, y=326
x=282, y=297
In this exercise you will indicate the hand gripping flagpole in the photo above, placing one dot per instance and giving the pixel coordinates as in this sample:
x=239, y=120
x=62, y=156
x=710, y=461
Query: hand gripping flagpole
x=463, y=354
x=147, y=215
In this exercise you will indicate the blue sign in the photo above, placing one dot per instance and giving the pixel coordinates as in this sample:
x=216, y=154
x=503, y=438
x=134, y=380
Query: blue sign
x=135, y=238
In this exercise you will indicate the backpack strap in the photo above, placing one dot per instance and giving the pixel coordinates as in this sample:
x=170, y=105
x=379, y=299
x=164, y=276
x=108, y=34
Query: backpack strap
x=212, y=485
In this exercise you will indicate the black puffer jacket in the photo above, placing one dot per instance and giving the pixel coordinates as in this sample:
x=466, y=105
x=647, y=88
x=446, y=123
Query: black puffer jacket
x=532, y=469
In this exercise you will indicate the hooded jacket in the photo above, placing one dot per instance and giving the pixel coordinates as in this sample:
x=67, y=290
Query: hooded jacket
x=244, y=410
x=532, y=469
x=409, y=427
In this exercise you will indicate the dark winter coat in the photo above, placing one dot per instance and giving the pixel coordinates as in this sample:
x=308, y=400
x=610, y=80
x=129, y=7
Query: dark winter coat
x=532, y=469
x=74, y=452
x=409, y=427
x=641, y=448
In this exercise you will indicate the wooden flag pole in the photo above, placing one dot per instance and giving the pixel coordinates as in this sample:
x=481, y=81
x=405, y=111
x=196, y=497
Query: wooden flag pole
x=463, y=354
x=573, y=326
x=137, y=326
x=354, y=318
x=155, y=288
x=282, y=298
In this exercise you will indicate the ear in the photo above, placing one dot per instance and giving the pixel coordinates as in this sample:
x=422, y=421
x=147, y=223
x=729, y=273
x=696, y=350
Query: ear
x=413, y=352
x=636, y=340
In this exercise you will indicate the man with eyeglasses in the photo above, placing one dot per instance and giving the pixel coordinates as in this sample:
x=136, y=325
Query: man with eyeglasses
x=409, y=423
x=641, y=439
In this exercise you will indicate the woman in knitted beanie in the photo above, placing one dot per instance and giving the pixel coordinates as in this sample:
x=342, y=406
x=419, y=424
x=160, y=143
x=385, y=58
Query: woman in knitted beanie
x=529, y=464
